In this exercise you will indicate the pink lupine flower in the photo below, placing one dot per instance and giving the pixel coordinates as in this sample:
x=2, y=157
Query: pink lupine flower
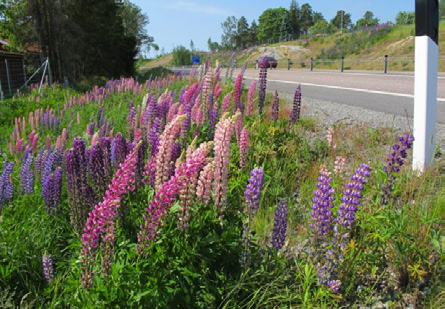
x=78, y=118
x=226, y=103
x=163, y=200
x=238, y=126
x=187, y=192
x=339, y=165
x=223, y=135
x=100, y=221
x=11, y=148
x=244, y=146
x=18, y=146
x=166, y=140
x=251, y=98
x=204, y=188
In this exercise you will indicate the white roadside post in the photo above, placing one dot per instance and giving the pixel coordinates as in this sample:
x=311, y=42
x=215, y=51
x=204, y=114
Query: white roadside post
x=425, y=84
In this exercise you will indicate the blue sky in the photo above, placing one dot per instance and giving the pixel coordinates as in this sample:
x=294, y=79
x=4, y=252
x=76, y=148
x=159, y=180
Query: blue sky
x=176, y=22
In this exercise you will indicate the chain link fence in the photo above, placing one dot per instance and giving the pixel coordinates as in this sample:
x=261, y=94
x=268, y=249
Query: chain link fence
x=17, y=73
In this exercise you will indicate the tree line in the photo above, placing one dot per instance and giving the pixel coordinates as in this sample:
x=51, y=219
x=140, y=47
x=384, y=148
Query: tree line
x=81, y=38
x=280, y=24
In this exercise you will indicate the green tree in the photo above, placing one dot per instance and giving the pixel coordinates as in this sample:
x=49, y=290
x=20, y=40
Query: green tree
x=294, y=19
x=135, y=23
x=213, y=46
x=242, y=33
x=181, y=56
x=253, y=32
x=192, y=46
x=306, y=17
x=285, y=29
x=318, y=17
x=339, y=17
x=405, y=18
x=368, y=20
x=322, y=27
x=229, y=33
x=269, y=24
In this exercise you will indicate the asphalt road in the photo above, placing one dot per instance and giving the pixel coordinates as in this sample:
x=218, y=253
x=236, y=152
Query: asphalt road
x=391, y=93
x=388, y=93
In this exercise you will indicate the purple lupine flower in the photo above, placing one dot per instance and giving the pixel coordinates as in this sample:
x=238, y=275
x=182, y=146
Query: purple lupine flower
x=351, y=196
x=96, y=168
x=48, y=268
x=6, y=185
x=139, y=170
x=153, y=136
x=105, y=145
x=27, y=176
x=119, y=150
x=280, y=225
x=52, y=190
x=244, y=67
x=393, y=164
x=131, y=121
x=253, y=190
x=175, y=154
x=263, y=84
x=335, y=285
x=322, y=204
x=229, y=66
x=213, y=119
x=81, y=196
x=185, y=127
x=245, y=259
x=275, y=106
x=296, y=107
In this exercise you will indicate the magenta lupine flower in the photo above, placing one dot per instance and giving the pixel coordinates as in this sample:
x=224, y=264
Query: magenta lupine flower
x=204, y=188
x=226, y=103
x=166, y=140
x=322, y=204
x=27, y=176
x=244, y=146
x=251, y=98
x=351, y=196
x=223, y=135
x=238, y=91
x=263, y=84
x=101, y=219
x=48, y=268
x=280, y=225
x=393, y=164
x=296, y=107
x=275, y=106
x=253, y=190
x=164, y=199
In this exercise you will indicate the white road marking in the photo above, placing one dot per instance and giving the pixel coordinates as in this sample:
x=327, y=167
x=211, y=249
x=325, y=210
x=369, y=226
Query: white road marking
x=347, y=88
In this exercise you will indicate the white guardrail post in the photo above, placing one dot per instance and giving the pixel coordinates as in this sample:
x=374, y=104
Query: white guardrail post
x=425, y=83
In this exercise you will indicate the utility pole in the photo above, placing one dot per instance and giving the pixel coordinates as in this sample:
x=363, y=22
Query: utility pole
x=425, y=83
x=341, y=24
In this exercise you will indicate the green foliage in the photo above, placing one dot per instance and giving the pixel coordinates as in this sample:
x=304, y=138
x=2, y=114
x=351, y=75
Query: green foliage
x=342, y=20
x=269, y=24
x=405, y=18
x=322, y=27
x=368, y=20
x=181, y=56
x=393, y=251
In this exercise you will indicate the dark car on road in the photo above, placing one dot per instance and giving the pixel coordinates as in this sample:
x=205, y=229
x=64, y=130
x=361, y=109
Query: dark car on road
x=272, y=62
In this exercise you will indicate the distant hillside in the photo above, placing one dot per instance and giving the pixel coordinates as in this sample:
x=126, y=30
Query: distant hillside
x=363, y=50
